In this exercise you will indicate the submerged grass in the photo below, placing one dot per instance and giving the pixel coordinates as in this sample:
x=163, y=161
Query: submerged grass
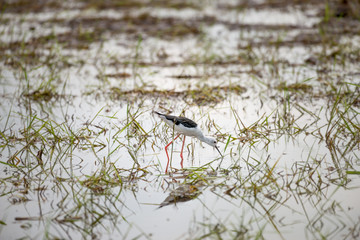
x=45, y=152
x=204, y=96
x=97, y=170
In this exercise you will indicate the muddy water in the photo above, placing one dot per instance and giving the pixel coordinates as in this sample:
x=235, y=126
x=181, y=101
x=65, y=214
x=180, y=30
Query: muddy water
x=82, y=155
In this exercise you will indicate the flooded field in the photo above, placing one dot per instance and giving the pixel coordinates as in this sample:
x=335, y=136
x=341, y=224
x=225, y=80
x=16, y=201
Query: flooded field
x=277, y=83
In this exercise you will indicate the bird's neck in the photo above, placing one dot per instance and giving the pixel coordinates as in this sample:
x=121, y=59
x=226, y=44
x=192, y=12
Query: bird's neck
x=204, y=138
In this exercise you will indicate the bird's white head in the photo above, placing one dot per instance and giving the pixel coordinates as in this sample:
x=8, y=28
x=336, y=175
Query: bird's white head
x=211, y=141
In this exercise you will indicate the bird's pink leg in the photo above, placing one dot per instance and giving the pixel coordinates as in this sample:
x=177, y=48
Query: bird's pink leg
x=181, y=153
x=167, y=165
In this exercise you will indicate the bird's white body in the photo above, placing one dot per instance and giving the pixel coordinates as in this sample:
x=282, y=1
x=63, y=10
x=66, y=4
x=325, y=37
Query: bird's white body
x=190, y=129
x=186, y=127
x=191, y=132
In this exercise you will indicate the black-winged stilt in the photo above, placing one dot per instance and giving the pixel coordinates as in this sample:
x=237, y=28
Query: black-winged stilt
x=186, y=127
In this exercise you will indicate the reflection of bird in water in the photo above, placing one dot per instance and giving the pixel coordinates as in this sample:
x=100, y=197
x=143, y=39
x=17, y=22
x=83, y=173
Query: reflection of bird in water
x=187, y=127
x=184, y=193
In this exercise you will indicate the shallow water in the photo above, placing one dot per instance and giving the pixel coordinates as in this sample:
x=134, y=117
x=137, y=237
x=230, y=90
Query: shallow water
x=82, y=154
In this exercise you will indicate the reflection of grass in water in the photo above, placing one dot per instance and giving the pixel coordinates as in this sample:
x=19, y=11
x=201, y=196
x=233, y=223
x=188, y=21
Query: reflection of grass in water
x=265, y=188
x=47, y=150
x=45, y=155
x=46, y=147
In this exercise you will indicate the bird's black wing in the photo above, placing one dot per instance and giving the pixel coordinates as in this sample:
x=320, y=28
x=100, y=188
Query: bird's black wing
x=186, y=122
x=179, y=120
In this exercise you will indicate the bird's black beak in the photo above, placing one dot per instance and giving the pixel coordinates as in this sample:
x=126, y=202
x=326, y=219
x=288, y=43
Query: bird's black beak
x=222, y=157
x=218, y=151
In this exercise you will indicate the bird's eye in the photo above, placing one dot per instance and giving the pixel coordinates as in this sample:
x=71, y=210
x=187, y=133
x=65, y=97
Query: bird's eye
x=214, y=141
